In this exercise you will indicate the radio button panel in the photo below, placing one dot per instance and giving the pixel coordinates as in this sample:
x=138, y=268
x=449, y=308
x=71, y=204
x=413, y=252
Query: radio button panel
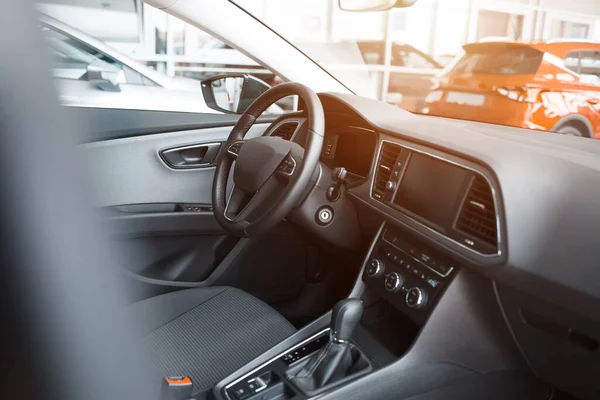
x=414, y=277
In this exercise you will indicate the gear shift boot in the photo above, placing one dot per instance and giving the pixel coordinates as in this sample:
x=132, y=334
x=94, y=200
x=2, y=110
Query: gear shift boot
x=339, y=360
x=332, y=365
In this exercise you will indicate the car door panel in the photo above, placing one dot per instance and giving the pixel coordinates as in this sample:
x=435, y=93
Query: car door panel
x=272, y=267
x=103, y=124
x=131, y=171
x=164, y=215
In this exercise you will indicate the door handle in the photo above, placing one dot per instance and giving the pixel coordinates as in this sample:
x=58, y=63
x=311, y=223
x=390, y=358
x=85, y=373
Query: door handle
x=200, y=155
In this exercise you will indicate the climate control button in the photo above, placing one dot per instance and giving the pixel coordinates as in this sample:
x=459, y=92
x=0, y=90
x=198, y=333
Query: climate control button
x=393, y=282
x=375, y=268
x=416, y=298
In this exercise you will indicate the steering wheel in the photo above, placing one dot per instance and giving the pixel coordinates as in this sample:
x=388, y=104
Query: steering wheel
x=270, y=174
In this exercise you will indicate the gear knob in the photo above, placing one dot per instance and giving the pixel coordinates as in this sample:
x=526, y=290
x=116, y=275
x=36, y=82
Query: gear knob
x=345, y=316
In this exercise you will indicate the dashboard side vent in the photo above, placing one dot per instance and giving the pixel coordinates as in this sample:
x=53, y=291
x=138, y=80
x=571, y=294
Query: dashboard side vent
x=385, y=165
x=477, y=218
x=285, y=131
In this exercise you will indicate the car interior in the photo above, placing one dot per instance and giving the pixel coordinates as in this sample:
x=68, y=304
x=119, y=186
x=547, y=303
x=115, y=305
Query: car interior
x=414, y=260
x=347, y=250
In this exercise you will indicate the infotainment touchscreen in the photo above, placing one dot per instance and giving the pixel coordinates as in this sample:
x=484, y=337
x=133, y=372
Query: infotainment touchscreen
x=432, y=189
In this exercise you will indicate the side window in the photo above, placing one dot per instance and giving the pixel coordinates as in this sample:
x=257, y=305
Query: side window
x=73, y=59
x=572, y=61
x=160, y=67
x=197, y=55
x=586, y=63
x=590, y=66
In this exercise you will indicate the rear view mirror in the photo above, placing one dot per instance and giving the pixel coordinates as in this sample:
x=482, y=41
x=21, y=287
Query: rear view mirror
x=373, y=5
x=232, y=93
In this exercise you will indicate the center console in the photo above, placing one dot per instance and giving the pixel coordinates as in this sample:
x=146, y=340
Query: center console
x=409, y=275
x=400, y=275
x=324, y=360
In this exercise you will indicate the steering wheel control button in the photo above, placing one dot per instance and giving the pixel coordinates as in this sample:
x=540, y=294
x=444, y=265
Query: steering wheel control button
x=235, y=148
x=324, y=216
x=375, y=268
x=287, y=166
x=393, y=282
x=416, y=298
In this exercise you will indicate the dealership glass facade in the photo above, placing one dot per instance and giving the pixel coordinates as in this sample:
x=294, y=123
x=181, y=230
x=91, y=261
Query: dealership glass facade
x=434, y=27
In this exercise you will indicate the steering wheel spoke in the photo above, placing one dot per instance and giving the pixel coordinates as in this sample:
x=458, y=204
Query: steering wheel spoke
x=236, y=203
x=243, y=206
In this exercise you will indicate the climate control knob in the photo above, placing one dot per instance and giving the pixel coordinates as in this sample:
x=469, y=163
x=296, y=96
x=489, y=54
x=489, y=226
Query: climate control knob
x=390, y=185
x=393, y=282
x=416, y=298
x=375, y=268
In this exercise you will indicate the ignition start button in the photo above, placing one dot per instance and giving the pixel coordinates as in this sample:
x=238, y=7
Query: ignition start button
x=324, y=215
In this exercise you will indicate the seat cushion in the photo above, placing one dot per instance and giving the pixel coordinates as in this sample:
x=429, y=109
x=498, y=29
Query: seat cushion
x=207, y=333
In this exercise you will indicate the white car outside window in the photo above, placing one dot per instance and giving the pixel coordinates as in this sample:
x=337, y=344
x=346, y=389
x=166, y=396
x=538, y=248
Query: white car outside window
x=88, y=73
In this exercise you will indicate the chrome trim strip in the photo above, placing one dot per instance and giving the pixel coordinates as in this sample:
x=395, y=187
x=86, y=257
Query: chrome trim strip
x=316, y=335
x=227, y=205
x=359, y=285
x=494, y=196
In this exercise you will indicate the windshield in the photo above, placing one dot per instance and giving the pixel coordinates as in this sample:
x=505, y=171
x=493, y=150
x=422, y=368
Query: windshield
x=499, y=61
x=522, y=66
x=349, y=45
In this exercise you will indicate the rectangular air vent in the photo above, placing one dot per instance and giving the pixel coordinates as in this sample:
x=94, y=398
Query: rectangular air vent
x=477, y=218
x=385, y=165
x=285, y=131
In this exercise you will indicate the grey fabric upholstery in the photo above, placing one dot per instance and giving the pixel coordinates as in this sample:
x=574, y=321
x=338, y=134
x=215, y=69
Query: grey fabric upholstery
x=206, y=333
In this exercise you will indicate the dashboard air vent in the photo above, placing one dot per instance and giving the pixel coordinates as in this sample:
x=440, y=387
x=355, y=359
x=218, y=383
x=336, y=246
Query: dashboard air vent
x=385, y=165
x=477, y=218
x=285, y=131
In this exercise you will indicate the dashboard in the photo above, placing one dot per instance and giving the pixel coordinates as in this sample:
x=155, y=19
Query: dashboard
x=536, y=191
x=515, y=206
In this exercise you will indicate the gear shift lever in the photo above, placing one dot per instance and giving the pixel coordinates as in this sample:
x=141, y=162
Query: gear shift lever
x=339, y=359
x=345, y=316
